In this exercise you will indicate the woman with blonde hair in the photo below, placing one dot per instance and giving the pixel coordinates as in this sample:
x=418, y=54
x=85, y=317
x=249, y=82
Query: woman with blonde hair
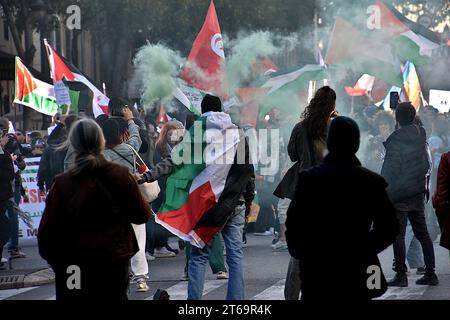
x=85, y=233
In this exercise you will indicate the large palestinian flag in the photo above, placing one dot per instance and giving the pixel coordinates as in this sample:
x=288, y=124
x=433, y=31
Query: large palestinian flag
x=412, y=41
x=352, y=49
x=280, y=89
x=64, y=71
x=32, y=92
x=197, y=205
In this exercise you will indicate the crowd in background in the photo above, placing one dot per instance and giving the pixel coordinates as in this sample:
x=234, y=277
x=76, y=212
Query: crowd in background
x=126, y=126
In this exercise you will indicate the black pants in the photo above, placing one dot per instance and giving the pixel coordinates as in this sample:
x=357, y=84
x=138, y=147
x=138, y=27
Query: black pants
x=5, y=226
x=100, y=280
x=414, y=211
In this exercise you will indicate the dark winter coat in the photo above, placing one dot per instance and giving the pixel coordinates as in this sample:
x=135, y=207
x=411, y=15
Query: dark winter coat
x=88, y=217
x=441, y=199
x=406, y=163
x=6, y=175
x=50, y=165
x=339, y=220
x=305, y=154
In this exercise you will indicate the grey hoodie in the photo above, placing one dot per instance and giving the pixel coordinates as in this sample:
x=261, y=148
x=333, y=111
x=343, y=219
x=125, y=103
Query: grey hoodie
x=124, y=149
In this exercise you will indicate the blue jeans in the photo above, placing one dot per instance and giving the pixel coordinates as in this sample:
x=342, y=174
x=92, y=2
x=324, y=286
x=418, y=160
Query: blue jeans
x=13, y=244
x=232, y=237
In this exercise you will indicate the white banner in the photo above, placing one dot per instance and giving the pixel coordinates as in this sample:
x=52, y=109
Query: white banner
x=62, y=94
x=36, y=205
x=440, y=99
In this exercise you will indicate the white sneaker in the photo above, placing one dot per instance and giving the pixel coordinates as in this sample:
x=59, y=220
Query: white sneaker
x=280, y=245
x=142, y=285
x=149, y=257
x=221, y=275
x=164, y=253
x=265, y=233
x=4, y=260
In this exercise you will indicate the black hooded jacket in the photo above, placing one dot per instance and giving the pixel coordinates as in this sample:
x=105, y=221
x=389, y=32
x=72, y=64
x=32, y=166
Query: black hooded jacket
x=52, y=160
x=406, y=163
x=341, y=214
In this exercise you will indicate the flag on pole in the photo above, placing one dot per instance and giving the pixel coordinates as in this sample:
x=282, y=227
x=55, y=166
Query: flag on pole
x=32, y=92
x=286, y=85
x=412, y=41
x=362, y=87
x=411, y=85
x=197, y=203
x=354, y=50
x=191, y=98
x=204, y=67
x=64, y=71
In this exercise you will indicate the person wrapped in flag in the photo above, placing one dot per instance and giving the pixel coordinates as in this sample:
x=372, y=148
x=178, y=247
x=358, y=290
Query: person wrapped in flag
x=208, y=192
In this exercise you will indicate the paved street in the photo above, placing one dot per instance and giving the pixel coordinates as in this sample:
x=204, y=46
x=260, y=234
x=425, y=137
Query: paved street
x=265, y=272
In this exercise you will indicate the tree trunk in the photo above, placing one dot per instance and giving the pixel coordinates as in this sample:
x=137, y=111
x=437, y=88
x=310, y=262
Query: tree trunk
x=120, y=68
x=28, y=59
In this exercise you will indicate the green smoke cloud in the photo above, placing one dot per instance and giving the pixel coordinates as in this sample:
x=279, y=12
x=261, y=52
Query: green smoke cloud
x=157, y=71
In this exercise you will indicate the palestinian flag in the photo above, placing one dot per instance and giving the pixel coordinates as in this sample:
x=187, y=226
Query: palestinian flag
x=191, y=98
x=283, y=87
x=64, y=71
x=197, y=203
x=351, y=49
x=412, y=41
x=250, y=99
x=33, y=93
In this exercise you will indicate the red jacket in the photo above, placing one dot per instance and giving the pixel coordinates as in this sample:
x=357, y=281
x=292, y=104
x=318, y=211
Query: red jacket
x=441, y=199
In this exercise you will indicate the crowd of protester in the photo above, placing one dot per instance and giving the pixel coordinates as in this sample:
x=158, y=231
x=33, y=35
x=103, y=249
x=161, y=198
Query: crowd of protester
x=375, y=140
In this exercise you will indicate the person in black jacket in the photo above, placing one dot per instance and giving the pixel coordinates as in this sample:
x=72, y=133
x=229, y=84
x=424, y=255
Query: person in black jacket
x=356, y=219
x=6, y=188
x=307, y=148
x=13, y=148
x=52, y=160
x=405, y=169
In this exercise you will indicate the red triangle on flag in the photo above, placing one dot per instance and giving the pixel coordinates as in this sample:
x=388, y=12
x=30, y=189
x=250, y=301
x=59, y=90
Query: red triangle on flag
x=389, y=22
x=60, y=69
x=24, y=80
x=206, y=56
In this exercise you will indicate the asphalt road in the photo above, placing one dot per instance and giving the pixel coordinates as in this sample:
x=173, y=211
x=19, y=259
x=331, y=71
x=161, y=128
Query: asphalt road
x=265, y=272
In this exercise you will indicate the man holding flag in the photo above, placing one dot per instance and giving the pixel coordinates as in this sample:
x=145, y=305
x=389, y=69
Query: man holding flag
x=233, y=204
x=209, y=191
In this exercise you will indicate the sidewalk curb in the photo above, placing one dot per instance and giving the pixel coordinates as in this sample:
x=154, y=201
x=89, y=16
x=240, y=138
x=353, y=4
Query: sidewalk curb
x=19, y=281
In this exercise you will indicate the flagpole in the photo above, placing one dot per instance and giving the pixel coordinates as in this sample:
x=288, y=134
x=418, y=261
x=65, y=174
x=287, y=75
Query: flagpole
x=352, y=110
x=52, y=71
